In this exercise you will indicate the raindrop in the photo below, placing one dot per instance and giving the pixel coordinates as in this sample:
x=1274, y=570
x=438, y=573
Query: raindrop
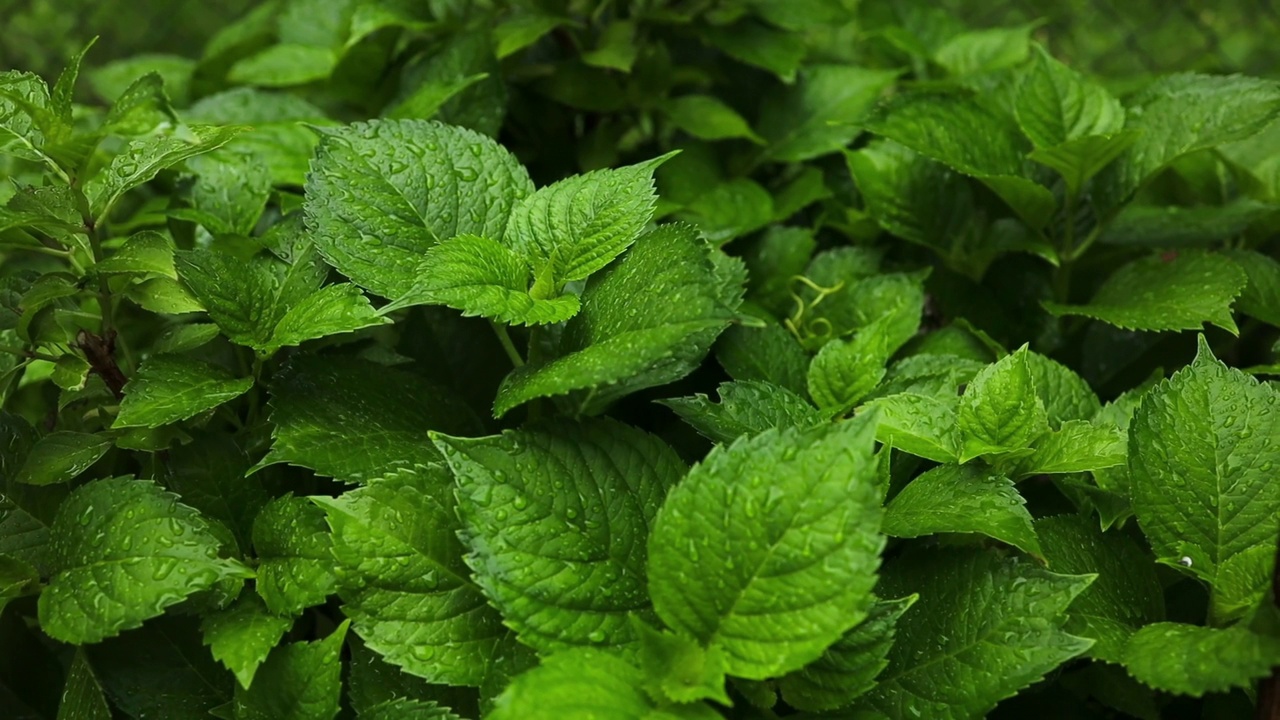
x=1185, y=561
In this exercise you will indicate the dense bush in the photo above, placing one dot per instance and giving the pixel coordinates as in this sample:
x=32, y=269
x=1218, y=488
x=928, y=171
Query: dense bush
x=662, y=359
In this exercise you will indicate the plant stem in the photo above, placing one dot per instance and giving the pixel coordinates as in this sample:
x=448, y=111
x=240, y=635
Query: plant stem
x=24, y=352
x=505, y=339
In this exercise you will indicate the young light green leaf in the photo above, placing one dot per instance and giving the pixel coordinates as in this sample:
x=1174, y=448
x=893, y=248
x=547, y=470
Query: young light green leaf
x=24, y=113
x=147, y=252
x=1155, y=293
x=299, y=681
x=615, y=346
x=284, y=65
x=587, y=683
x=575, y=227
x=1201, y=448
x=844, y=371
x=746, y=407
x=768, y=549
x=1193, y=660
x=985, y=627
x=552, y=545
x=295, y=560
x=1125, y=596
x=1056, y=104
x=962, y=499
x=482, y=277
x=679, y=669
x=1078, y=446
x=402, y=578
x=169, y=388
x=123, y=550
x=241, y=636
x=351, y=419
x=381, y=192
x=958, y=131
x=923, y=425
x=1000, y=412
x=984, y=51
x=522, y=30
x=616, y=49
x=1065, y=395
x=1080, y=159
x=145, y=157
x=708, y=118
x=816, y=115
x=82, y=697
x=61, y=456
x=764, y=46
x=1180, y=114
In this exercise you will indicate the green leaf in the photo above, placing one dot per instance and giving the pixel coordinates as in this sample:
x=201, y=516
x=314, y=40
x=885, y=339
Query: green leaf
x=816, y=115
x=679, y=669
x=482, y=277
x=587, y=683
x=1174, y=226
x=1078, y=446
x=17, y=577
x=209, y=474
x=616, y=48
x=1056, y=104
x=299, y=681
x=848, y=669
x=962, y=499
x=1080, y=159
x=1000, y=412
x=708, y=118
x=911, y=196
x=230, y=192
x=1126, y=594
x=730, y=209
x=1192, y=660
x=1180, y=114
x=844, y=371
x=746, y=407
x=522, y=30
x=241, y=636
x=61, y=456
x=24, y=103
x=145, y=157
x=756, y=43
x=351, y=419
x=961, y=133
x=1065, y=395
x=295, y=559
x=405, y=709
x=986, y=50
x=985, y=627
x=922, y=425
x=616, y=345
x=1261, y=298
x=169, y=388
x=284, y=65
x=266, y=303
x=146, y=253
x=123, y=551
x=1156, y=293
x=551, y=544
x=1201, y=448
x=381, y=192
x=184, y=338
x=82, y=697
x=143, y=105
x=768, y=549
x=576, y=226
x=402, y=578
x=165, y=296
x=766, y=354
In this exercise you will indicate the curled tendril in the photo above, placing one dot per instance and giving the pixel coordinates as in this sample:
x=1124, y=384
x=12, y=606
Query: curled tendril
x=795, y=323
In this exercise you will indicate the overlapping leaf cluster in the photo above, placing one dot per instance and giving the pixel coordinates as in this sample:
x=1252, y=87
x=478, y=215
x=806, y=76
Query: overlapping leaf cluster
x=636, y=360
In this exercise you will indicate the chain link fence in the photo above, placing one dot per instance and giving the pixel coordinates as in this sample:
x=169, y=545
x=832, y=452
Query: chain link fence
x=1116, y=38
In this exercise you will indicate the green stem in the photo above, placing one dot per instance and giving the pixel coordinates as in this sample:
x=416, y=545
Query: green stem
x=504, y=338
x=23, y=352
